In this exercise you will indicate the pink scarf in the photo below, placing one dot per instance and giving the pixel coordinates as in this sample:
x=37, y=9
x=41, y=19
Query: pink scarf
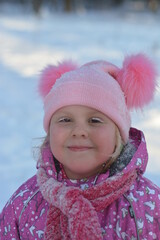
x=73, y=212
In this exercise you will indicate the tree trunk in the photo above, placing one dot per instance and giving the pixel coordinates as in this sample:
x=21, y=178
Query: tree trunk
x=68, y=5
x=37, y=5
x=153, y=5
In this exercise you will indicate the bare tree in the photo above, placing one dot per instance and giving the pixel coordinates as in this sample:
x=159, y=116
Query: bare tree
x=37, y=5
x=68, y=5
x=153, y=5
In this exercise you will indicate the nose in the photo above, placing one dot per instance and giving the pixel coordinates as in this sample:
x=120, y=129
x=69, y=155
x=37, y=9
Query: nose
x=80, y=131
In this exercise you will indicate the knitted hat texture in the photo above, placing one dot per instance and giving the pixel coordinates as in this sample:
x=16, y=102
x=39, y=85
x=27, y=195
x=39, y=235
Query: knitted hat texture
x=100, y=85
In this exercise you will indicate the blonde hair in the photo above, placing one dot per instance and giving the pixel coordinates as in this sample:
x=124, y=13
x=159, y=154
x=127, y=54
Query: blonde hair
x=117, y=151
x=119, y=144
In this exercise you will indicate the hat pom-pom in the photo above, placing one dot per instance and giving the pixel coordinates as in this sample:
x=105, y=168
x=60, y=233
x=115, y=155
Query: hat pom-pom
x=51, y=73
x=137, y=79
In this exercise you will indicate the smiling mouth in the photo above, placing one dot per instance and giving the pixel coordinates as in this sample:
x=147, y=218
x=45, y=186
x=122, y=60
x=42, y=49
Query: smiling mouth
x=79, y=148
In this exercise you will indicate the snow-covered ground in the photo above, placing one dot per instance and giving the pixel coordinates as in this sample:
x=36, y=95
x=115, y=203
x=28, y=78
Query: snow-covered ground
x=29, y=43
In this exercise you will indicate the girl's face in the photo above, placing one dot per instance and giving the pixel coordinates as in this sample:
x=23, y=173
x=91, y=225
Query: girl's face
x=82, y=139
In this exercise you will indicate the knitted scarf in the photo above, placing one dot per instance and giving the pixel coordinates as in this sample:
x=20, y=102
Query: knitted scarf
x=72, y=212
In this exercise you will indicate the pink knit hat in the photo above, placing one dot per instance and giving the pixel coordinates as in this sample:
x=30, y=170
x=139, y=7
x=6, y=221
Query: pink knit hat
x=100, y=85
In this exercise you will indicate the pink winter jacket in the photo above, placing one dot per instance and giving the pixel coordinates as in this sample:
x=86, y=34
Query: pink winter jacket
x=134, y=215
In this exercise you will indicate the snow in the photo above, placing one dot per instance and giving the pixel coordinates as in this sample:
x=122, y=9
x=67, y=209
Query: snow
x=28, y=43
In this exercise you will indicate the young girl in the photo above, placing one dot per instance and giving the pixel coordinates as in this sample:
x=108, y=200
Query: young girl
x=89, y=182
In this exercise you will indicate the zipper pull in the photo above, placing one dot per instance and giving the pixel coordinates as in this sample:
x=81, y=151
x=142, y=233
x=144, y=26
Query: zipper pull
x=131, y=212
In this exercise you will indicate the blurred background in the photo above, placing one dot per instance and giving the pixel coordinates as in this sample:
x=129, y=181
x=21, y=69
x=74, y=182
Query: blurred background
x=36, y=6
x=37, y=33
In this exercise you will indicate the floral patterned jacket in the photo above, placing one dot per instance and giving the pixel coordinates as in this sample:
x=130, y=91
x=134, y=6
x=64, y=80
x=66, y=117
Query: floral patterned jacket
x=134, y=215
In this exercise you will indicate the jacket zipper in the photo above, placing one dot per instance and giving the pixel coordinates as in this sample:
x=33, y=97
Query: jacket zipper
x=26, y=203
x=132, y=214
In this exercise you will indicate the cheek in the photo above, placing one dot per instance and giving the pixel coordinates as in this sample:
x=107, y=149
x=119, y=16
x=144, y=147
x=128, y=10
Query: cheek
x=107, y=140
x=57, y=141
x=54, y=138
x=112, y=135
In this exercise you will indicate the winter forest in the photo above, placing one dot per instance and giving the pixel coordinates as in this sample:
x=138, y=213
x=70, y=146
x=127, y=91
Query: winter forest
x=79, y=5
x=36, y=33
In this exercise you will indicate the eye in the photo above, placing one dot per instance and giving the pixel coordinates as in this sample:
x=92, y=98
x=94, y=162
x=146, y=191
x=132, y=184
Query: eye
x=95, y=120
x=64, y=119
